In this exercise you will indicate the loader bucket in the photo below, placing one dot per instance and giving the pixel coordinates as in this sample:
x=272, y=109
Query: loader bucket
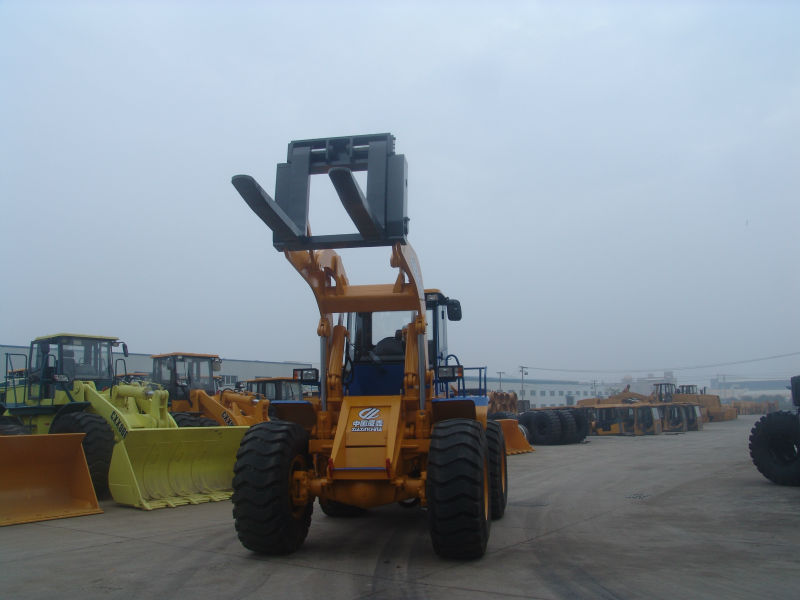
x=44, y=477
x=515, y=440
x=155, y=468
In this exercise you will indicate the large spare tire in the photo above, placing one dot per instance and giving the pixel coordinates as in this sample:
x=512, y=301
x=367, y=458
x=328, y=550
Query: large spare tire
x=501, y=415
x=568, y=428
x=581, y=423
x=544, y=426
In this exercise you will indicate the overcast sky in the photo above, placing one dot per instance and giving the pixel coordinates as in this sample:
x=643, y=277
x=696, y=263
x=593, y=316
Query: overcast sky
x=605, y=187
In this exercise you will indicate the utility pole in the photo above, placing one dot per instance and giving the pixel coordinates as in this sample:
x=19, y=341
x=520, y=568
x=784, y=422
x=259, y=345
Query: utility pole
x=500, y=374
x=522, y=373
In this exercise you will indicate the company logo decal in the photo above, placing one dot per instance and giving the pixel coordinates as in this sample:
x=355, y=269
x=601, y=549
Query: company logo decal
x=368, y=420
x=119, y=424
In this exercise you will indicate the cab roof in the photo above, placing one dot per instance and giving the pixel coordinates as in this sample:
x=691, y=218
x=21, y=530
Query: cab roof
x=178, y=354
x=75, y=335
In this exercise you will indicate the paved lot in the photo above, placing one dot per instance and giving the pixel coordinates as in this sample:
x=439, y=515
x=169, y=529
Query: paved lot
x=673, y=516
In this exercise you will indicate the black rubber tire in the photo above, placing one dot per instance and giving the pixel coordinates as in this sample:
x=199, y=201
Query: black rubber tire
x=569, y=433
x=458, y=489
x=98, y=444
x=526, y=420
x=266, y=520
x=498, y=469
x=12, y=426
x=581, y=423
x=544, y=426
x=206, y=422
x=340, y=510
x=184, y=419
x=775, y=447
x=501, y=415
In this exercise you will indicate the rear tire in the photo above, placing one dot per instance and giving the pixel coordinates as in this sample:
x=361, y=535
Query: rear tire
x=266, y=519
x=98, y=444
x=458, y=489
x=498, y=469
x=206, y=422
x=184, y=419
x=775, y=447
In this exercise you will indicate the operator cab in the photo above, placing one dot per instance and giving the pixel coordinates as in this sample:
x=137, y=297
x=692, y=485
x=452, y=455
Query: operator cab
x=275, y=388
x=64, y=358
x=376, y=347
x=179, y=373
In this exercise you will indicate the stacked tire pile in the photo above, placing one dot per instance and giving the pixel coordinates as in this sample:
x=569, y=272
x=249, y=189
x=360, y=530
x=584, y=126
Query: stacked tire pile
x=551, y=426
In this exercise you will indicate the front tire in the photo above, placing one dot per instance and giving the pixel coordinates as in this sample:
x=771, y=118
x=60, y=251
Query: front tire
x=98, y=444
x=458, y=489
x=775, y=447
x=267, y=520
x=12, y=426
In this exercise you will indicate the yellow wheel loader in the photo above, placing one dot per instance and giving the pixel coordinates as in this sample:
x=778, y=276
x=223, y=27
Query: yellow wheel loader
x=710, y=405
x=194, y=399
x=393, y=421
x=665, y=394
x=133, y=447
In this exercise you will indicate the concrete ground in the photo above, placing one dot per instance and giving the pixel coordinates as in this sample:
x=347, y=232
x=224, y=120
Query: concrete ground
x=670, y=516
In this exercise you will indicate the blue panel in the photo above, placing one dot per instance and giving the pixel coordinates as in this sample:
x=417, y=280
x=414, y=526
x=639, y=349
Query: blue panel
x=376, y=380
x=476, y=400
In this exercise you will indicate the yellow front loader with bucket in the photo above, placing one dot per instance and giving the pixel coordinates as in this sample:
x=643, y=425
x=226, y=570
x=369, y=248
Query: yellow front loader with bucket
x=133, y=447
x=194, y=400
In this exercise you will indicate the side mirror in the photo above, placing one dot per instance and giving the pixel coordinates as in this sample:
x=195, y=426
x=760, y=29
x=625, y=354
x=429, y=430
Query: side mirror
x=217, y=365
x=450, y=372
x=306, y=376
x=795, y=390
x=453, y=310
x=125, y=349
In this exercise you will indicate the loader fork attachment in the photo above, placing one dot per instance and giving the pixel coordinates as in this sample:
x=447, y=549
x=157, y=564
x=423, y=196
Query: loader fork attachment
x=379, y=215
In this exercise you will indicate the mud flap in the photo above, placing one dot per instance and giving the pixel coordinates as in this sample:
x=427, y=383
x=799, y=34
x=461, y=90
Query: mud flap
x=515, y=441
x=156, y=468
x=44, y=477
